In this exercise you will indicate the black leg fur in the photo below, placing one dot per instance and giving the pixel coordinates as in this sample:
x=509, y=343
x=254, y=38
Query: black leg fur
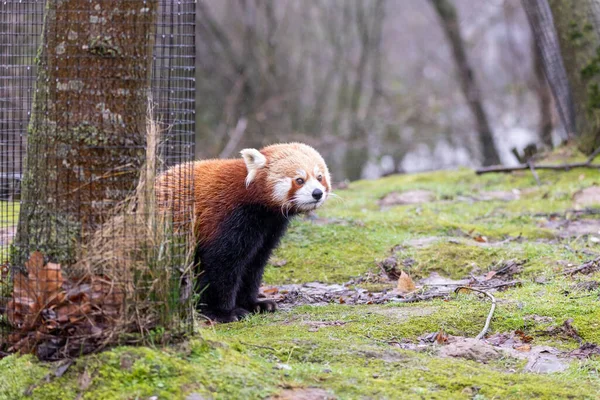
x=247, y=296
x=232, y=264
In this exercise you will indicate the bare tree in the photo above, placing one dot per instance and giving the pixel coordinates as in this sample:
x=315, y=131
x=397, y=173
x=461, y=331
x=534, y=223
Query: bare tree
x=449, y=20
x=541, y=88
x=86, y=139
x=579, y=37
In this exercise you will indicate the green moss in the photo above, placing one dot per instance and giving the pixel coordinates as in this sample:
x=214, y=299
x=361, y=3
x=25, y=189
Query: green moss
x=18, y=374
x=350, y=350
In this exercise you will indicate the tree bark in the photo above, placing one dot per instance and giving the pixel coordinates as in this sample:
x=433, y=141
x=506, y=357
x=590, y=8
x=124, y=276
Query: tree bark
x=449, y=20
x=579, y=40
x=86, y=138
x=546, y=124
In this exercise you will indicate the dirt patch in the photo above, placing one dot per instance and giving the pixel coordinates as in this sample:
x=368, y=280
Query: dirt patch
x=470, y=349
x=587, y=197
x=405, y=198
x=303, y=394
x=567, y=228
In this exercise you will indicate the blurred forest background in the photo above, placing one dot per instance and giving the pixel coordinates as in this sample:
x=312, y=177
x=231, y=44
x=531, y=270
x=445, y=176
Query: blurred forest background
x=374, y=85
x=378, y=86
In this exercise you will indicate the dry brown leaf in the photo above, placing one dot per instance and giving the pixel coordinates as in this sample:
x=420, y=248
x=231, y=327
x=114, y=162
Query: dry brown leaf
x=523, y=348
x=405, y=284
x=523, y=336
x=480, y=239
x=35, y=262
x=271, y=290
x=441, y=337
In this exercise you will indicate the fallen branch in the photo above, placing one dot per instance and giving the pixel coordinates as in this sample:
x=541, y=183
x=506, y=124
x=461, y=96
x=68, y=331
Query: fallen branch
x=532, y=167
x=523, y=167
x=586, y=267
x=492, y=309
x=417, y=298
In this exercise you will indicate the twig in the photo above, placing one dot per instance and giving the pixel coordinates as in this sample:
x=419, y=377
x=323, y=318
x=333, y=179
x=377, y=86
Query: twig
x=492, y=309
x=523, y=167
x=592, y=264
x=417, y=298
x=529, y=165
x=501, y=285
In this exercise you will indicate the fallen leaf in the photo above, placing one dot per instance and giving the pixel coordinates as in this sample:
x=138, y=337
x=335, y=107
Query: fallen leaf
x=480, y=239
x=271, y=290
x=523, y=336
x=405, y=284
x=441, y=337
x=523, y=348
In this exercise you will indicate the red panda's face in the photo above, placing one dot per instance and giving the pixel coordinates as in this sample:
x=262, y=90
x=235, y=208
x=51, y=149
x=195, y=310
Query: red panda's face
x=296, y=175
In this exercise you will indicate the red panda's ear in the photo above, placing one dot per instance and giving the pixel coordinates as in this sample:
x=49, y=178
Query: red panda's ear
x=254, y=160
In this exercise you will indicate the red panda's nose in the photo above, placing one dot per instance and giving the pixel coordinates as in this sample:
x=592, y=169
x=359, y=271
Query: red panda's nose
x=317, y=194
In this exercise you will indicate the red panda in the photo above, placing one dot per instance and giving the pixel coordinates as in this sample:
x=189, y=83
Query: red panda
x=241, y=209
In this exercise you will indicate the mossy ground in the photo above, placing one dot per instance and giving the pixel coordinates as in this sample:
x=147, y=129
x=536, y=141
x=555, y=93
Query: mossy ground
x=345, y=349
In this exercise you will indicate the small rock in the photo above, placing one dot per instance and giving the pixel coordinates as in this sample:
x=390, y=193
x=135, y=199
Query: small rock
x=283, y=366
x=470, y=349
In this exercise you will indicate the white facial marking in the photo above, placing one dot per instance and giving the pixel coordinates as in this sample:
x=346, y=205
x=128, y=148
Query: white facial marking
x=281, y=189
x=301, y=173
x=304, y=196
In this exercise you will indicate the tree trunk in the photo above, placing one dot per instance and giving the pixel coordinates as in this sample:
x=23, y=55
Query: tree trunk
x=546, y=125
x=579, y=39
x=449, y=20
x=86, y=138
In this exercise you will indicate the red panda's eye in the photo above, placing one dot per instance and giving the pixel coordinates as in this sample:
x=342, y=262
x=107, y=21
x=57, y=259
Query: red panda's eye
x=320, y=178
x=300, y=181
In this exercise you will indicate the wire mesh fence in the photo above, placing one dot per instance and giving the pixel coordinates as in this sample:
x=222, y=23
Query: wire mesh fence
x=96, y=99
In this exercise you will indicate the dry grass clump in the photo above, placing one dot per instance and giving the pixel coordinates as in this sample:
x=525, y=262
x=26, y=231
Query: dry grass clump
x=133, y=275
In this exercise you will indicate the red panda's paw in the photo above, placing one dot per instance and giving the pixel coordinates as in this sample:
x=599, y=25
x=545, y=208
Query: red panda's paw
x=224, y=316
x=264, y=306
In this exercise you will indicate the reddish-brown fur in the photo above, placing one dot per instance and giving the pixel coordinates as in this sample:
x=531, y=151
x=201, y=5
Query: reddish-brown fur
x=216, y=187
x=219, y=186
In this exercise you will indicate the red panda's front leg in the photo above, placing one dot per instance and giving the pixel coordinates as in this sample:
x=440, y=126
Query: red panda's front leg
x=232, y=262
x=274, y=226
